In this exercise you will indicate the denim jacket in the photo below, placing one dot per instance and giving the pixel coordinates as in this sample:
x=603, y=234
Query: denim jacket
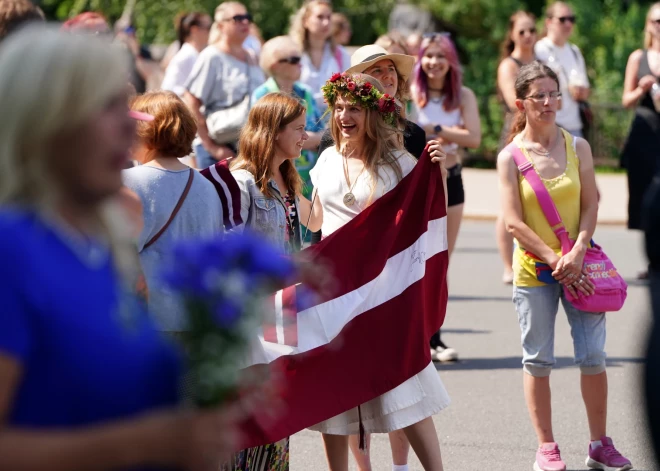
x=263, y=215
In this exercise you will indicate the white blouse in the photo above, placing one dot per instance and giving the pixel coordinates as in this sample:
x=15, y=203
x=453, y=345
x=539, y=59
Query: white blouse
x=329, y=181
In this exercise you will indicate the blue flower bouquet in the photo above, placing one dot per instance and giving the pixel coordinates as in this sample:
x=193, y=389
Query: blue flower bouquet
x=223, y=283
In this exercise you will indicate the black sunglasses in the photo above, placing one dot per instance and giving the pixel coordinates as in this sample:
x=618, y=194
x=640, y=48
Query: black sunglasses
x=657, y=22
x=293, y=60
x=432, y=36
x=523, y=31
x=240, y=18
x=564, y=19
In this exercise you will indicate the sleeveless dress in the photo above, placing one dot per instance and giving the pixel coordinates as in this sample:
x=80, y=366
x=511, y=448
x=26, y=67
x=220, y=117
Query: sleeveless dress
x=641, y=152
x=528, y=269
x=419, y=397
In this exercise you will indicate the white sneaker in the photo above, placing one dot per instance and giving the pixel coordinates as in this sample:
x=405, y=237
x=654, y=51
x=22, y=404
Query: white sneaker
x=434, y=355
x=446, y=354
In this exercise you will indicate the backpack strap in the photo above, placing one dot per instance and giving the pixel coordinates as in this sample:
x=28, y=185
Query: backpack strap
x=548, y=207
x=174, y=211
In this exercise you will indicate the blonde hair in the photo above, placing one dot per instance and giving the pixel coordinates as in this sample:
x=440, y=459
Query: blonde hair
x=218, y=17
x=648, y=38
x=269, y=51
x=382, y=140
x=52, y=82
x=298, y=31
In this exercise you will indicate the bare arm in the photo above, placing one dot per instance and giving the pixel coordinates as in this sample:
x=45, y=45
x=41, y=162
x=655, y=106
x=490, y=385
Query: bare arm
x=513, y=213
x=470, y=134
x=506, y=80
x=633, y=89
x=305, y=208
x=195, y=105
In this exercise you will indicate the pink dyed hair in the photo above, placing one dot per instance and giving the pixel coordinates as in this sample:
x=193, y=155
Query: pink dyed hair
x=451, y=89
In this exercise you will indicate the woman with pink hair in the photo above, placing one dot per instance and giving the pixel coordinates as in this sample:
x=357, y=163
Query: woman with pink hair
x=448, y=112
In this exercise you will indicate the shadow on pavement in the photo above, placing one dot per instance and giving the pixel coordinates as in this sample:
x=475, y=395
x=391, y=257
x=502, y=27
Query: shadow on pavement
x=511, y=363
x=476, y=250
x=487, y=299
x=465, y=331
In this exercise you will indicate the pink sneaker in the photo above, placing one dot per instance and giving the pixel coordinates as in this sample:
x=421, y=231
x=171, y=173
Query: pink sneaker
x=548, y=458
x=606, y=457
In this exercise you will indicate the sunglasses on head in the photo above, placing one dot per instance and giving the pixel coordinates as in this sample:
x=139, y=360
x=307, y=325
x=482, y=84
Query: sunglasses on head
x=293, y=60
x=564, y=19
x=433, y=36
x=530, y=30
x=240, y=18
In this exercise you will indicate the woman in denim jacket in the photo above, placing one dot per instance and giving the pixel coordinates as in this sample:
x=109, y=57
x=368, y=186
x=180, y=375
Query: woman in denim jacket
x=269, y=144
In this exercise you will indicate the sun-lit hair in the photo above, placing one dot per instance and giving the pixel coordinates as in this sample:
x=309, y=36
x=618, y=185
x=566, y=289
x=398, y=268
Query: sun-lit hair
x=381, y=139
x=297, y=29
x=173, y=129
x=508, y=45
x=451, y=89
x=648, y=37
x=16, y=13
x=90, y=20
x=274, y=49
x=51, y=82
x=256, y=145
x=218, y=18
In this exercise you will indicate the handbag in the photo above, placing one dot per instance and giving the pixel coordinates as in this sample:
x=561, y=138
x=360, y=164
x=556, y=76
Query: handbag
x=174, y=211
x=610, y=288
x=224, y=125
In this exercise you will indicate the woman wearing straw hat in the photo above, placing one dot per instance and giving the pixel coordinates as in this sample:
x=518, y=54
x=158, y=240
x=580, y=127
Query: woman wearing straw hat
x=393, y=71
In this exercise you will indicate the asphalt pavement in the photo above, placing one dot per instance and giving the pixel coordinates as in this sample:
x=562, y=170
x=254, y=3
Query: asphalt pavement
x=487, y=427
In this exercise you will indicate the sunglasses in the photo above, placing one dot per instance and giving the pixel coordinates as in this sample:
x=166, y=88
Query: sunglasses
x=564, y=19
x=434, y=36
x=523, y=31
x=293, y=60
x=240, y=18
x=656, y=22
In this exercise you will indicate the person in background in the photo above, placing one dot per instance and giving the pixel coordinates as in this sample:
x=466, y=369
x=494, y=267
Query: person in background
x=281, y=61
x=254, y=42
x=178, y=202
x=17, y=13
x=448, y=112
x=223, y=76
x=541, y=271
x=193, y=32
x=414, y=42
x=393, y=43
x=100, y=390
x=566, y=60
x=341, y=29
x=311, y=30
x=517, y=50
x=641, y=153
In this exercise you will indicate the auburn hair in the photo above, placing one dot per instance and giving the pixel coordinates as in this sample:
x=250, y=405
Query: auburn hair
x=256, y=144
x=451, y=90
x=173, y=129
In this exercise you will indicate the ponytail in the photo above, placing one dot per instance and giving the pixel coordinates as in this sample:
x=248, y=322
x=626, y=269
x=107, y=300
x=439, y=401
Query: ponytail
x=517, y=126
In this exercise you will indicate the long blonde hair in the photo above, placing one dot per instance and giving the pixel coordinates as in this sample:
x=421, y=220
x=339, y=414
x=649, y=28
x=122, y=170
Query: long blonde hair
x=218, y=17
x=382, y=141
x=648, y=38
x=297, y=29
x=269, y=115
x=51, y=83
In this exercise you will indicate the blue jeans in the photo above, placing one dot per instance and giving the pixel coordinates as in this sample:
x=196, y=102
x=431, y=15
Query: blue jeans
x=537, y=310
x=204, y=159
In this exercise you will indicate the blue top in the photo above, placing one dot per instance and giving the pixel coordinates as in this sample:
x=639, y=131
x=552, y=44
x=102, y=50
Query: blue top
x=87, y=350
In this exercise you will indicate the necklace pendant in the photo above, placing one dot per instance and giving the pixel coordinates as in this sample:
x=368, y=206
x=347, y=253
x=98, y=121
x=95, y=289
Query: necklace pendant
x=349, y=199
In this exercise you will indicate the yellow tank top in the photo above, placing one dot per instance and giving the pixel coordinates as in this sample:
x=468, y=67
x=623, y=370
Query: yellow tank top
x=529, y=270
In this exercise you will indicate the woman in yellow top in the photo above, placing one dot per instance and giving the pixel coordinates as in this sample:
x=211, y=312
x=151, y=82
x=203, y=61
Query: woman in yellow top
x=565, y=166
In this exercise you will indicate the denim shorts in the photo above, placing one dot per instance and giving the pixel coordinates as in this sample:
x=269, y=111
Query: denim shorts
x=537, y=311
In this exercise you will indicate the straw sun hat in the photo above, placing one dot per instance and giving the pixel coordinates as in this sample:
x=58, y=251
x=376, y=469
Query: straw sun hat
x=367, y=56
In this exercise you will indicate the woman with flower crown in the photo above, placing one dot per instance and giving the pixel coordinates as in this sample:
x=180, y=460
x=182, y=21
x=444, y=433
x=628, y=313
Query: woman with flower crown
x=367, y=161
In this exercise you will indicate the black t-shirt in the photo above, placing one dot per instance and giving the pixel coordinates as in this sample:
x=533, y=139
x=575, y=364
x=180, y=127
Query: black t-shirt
x=414, y=139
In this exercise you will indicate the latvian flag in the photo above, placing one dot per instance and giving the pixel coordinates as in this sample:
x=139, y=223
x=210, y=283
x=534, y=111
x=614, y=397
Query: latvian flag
x=390, y=266
x=228, y=192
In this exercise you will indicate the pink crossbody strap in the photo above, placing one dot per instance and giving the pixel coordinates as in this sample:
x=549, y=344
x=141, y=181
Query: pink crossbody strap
x=545, y=200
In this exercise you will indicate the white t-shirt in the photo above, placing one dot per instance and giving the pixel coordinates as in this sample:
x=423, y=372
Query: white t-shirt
x=434, y=113
x=315, y=78
x=568, y=64
x=179, y=68
x=330, y=182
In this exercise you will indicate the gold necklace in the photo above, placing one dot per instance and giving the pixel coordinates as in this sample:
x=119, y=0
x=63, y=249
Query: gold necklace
x=548, y=151
x=349, y=198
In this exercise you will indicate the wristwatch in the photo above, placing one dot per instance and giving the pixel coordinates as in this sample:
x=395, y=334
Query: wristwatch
x=437, y=128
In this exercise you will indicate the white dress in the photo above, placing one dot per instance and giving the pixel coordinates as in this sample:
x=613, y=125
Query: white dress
x=419, y=397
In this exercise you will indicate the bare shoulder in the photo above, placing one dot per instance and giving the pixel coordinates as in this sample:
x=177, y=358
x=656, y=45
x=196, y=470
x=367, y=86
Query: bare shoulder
x=467, y=93
x=635, y=56
x=582, y=148
x=508, y=66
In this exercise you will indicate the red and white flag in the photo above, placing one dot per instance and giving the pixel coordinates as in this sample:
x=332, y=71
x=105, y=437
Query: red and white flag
x=390, y=266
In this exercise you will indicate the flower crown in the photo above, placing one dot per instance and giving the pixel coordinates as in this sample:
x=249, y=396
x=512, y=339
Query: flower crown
x=361, y=92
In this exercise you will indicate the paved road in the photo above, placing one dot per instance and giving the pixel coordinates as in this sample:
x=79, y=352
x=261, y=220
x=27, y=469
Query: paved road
x=487, y=427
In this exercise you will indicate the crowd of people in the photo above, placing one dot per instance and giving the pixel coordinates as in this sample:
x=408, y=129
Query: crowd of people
x=310, y=136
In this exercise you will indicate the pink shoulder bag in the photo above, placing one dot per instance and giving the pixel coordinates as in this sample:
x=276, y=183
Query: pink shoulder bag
x=611, y=289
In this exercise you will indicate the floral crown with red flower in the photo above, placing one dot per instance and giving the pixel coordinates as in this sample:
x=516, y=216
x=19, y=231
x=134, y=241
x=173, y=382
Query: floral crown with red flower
x=363, y=93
